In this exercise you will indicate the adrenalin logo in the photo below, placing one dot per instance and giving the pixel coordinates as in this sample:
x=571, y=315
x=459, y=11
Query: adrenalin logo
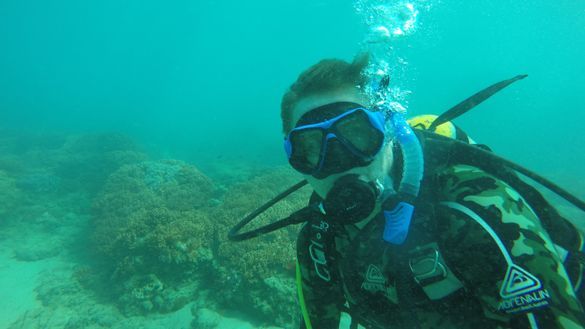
x=375, y=275
x=375, y=280
x=518, y=282
x=521, y=291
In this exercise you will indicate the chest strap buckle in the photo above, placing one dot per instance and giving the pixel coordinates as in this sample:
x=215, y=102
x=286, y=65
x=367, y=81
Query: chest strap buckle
x=426, y=266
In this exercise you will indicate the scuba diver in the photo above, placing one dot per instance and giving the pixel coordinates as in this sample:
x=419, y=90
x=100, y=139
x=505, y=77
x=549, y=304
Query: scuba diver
x=412, y=224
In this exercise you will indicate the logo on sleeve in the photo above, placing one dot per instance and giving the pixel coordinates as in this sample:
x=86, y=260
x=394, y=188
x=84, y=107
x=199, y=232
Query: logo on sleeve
x=521, y=291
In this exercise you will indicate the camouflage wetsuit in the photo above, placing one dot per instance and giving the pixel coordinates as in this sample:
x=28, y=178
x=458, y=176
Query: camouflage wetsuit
x=497, y=266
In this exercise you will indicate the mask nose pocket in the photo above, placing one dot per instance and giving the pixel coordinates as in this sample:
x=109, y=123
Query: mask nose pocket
x=336, y=158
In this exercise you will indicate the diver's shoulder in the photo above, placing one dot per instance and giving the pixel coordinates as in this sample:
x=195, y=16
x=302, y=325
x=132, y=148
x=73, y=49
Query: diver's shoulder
x=473, y=196
x=472, y=180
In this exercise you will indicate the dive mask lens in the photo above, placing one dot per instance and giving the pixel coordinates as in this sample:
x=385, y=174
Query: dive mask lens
x=361, y=133
x=306, y=149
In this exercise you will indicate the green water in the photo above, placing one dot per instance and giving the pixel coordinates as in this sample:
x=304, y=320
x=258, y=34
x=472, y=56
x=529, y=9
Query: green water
x=201, y=81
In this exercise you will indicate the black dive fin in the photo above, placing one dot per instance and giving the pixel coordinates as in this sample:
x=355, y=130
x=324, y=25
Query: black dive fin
x=473, y=101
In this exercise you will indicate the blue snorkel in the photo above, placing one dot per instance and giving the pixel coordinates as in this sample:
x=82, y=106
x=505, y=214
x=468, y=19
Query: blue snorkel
x=398, y=218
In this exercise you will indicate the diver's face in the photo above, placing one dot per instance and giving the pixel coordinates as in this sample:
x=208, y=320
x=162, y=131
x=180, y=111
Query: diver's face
x=374, y=170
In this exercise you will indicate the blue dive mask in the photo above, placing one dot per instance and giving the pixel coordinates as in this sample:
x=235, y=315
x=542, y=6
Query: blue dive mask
x=321, y=145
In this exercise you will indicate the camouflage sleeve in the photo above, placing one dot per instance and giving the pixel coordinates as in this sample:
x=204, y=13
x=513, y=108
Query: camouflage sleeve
x=319, y=298
x=495, y=244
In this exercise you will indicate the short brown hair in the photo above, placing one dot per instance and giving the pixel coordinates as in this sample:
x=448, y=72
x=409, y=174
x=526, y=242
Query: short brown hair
x=327, y=75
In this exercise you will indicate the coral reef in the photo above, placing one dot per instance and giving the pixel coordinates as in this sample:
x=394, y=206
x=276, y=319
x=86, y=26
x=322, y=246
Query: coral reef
x=263, y=256
x=85, y=162
x=57, y=173
x=10, y=195
x=71, y=162
x=258, y=275
x=162, y=229
x=38, y=183
x=152, y=221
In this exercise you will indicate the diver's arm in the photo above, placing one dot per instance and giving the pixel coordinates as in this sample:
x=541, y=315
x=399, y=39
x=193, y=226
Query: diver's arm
x=498, y=248
x=318, y=299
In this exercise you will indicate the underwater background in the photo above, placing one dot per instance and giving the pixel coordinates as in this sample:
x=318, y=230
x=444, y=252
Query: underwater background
x=133, y=134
